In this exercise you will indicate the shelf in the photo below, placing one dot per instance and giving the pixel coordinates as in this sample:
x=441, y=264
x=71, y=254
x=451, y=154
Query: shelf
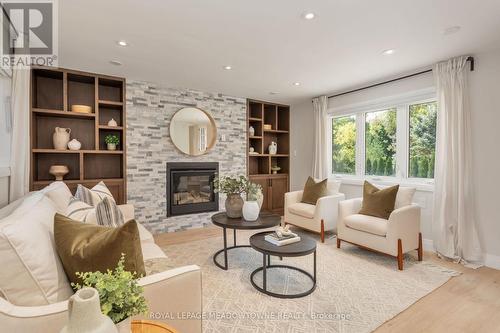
x=78, y=181
x=254, y=119
x=64, y=114
x=275, y=131
x=114, y=128
x=84, y=151
x=255, y=137
x=112, y=103
x=267, y=155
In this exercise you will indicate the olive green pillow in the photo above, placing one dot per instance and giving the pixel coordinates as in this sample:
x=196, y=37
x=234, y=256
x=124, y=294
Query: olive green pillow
x=378, y=203
x=85, y=247
x=313, y=191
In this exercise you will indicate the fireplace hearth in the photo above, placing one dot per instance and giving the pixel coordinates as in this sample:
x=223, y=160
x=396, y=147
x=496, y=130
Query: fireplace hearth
x=190, y=188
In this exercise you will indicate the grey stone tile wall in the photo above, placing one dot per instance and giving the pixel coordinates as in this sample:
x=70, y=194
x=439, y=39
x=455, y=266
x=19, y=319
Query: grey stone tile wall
x=149, y=148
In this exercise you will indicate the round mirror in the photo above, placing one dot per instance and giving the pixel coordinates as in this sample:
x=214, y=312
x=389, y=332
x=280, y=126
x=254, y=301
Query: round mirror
x=193, y=131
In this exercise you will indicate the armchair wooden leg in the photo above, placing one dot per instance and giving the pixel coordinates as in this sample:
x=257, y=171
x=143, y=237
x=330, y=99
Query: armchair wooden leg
x=420, y=248
x=322, y=231
x=338, y=242
x=400, y=255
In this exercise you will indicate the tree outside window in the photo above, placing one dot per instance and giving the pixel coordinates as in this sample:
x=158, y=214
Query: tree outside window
x=380, y=143
x=422, y=140
x=344, y=145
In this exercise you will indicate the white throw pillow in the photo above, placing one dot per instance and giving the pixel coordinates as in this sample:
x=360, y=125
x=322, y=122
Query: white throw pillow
x=60, y=195
x=80, y=211
x=107, y=214
x=94, y=195
x=32, y=272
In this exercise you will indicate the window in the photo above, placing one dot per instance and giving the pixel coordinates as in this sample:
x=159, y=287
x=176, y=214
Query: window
x=422, y=140
x=344, y=145
x=389, y=142
x=380, y=143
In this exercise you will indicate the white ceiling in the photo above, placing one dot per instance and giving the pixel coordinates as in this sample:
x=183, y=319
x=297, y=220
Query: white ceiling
x=186, y=43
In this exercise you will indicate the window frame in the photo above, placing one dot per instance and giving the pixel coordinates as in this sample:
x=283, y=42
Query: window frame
x=402, y=156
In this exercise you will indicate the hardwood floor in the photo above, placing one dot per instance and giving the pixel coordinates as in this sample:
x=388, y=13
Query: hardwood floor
x=467, y=303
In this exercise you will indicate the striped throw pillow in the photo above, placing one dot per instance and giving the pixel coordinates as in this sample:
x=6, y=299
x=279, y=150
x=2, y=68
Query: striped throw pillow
x=108, y=214
x=95, y=195
x=81, y=211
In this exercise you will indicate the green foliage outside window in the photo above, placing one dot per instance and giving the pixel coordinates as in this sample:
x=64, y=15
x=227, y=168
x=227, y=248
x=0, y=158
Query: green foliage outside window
x=344, y=145
x=380, y=142
x=422, y=139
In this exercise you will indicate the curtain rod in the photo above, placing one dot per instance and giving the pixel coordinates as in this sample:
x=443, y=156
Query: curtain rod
x=469, y=59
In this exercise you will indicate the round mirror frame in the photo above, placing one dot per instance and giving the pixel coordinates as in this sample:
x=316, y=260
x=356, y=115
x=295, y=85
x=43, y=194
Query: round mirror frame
x=210, y=144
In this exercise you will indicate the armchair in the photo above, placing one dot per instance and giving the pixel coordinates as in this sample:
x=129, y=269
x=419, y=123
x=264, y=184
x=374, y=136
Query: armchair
x=317, y=218
x=395, y=236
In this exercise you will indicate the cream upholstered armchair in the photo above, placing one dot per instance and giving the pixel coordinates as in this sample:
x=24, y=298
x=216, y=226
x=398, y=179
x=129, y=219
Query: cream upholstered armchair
x=317, y=218
x=395, y=236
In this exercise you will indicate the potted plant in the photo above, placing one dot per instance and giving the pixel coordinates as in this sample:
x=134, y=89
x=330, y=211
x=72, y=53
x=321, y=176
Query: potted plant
x=112, y=140
x=232, y=187
x=120, y=296
x=251, y=207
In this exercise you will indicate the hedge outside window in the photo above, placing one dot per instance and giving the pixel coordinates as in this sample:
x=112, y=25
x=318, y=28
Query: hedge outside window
x=344, y=145
x=422, y=140
x=380, y=143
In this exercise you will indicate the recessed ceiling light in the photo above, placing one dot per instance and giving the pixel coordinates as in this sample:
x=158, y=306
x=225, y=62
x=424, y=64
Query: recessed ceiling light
x=388, y=52
x=451, y=30
x=296, y=83
x=122, y=43
x=116, y=62
x=309, y=15
x=228, y=68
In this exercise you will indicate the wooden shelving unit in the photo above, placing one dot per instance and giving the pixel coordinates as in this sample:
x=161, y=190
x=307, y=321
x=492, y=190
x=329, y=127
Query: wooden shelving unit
x=53, y=92
x=259, y=165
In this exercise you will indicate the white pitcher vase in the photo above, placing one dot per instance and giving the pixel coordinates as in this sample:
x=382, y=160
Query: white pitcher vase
x=85, y=314
x=60, y=138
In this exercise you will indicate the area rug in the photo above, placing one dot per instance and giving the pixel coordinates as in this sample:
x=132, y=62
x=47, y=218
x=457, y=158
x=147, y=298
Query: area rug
x=357, y=290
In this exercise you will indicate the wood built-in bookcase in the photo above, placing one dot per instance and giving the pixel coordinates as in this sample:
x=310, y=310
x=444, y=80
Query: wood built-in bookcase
x=53, y=92
x=259, y=165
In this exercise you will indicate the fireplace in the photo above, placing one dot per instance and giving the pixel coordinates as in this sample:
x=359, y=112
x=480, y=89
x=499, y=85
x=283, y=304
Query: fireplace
x=190, y=188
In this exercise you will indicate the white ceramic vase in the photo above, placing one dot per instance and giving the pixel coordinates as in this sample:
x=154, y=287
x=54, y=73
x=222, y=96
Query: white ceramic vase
x=112, y=123
x=251, y=131
x=124, y=326
x=273, y=148
x=74, y=145
x=60, y=138
x=251, y=210
x=111, y=146
x=85, y=314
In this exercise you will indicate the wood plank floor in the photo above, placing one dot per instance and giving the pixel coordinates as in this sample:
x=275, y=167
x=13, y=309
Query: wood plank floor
x=467, y=303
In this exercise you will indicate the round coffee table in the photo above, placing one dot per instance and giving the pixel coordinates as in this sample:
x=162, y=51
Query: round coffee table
x=305, y=246
x=265, y=220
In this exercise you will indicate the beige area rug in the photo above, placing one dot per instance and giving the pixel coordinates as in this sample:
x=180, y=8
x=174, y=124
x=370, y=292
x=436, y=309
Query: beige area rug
x=356, y=291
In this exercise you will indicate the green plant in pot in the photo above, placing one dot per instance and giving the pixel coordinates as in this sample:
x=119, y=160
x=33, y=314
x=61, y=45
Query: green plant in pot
x=112, y=140
x=120, y=295
x=232, y=187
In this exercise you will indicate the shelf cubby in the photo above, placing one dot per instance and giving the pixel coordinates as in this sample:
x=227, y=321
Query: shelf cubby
x=81, y=90
x=258, y=165
x=270, y=115
x=44, y=161
x=110, y=91
x=82, y=129
x=47, y=89
x=108, y=112
x=255, y=110
x=106, y=131
x=102, y=166
x=283, y=118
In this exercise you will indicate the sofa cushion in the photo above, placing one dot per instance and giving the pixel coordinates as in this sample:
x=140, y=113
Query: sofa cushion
x=94, y=195
x=151, y=251
x=314, y=190
x=60, y=195
x=81, y=211
x=85, y=247
x=108, y=214
x=302, y=209
x=32, y=273
x=371, y=224
x=378, y=202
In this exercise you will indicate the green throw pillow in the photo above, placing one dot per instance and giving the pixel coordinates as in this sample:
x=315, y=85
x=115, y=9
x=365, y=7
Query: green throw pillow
x=313, y=191
x=378, y=203
x=86, y=247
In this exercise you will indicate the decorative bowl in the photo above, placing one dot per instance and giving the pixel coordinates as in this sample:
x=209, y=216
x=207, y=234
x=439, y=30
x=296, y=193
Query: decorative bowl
x=268, y=127
x=58, y=171
x=81, y=108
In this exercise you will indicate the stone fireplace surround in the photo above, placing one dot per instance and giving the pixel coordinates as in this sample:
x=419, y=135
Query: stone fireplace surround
x=149, y=148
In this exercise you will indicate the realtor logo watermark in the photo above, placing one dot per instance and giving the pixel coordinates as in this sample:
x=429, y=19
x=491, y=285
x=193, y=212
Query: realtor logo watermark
x=29, y=33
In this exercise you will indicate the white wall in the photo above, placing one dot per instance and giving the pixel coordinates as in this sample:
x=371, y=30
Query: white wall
x=4, y=140
x=485, y=106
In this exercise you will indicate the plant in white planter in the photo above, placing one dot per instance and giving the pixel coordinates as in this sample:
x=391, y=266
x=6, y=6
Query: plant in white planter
x=112, y=140
x=120, y=296
x=251, y=207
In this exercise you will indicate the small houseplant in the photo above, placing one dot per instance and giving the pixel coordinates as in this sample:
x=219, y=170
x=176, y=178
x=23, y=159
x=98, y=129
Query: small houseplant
x=232, y=187
x=120, y=295
x=112, y=140
x=251, y=207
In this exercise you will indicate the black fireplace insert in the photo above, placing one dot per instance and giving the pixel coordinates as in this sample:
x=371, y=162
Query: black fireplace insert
x=190, y=188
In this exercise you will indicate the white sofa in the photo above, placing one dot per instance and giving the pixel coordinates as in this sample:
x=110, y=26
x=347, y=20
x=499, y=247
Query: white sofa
x=174, y=291
x=317, y=218
x=395, y=236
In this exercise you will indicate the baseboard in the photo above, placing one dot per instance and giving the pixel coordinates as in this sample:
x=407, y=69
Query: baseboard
x=428, y=245
x=492, y=261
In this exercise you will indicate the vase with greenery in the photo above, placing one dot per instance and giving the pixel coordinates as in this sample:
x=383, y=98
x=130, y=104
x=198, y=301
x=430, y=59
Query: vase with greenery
x=232, y=187
x=251, y=207
x=112, y=140
x=121, y=297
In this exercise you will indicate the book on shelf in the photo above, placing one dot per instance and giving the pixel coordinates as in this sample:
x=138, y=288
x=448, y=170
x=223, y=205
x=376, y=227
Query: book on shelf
x=277, y=240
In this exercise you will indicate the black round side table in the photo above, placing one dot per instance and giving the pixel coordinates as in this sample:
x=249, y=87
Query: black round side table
x=265, y=220
x=305, y=246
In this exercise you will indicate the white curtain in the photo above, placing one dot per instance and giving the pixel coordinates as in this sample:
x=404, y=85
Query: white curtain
x=20, y=144
x=455, y=229
x=320, y=152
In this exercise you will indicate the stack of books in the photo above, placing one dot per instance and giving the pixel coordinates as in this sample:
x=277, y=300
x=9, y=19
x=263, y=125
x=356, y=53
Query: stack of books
x=273, y=238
